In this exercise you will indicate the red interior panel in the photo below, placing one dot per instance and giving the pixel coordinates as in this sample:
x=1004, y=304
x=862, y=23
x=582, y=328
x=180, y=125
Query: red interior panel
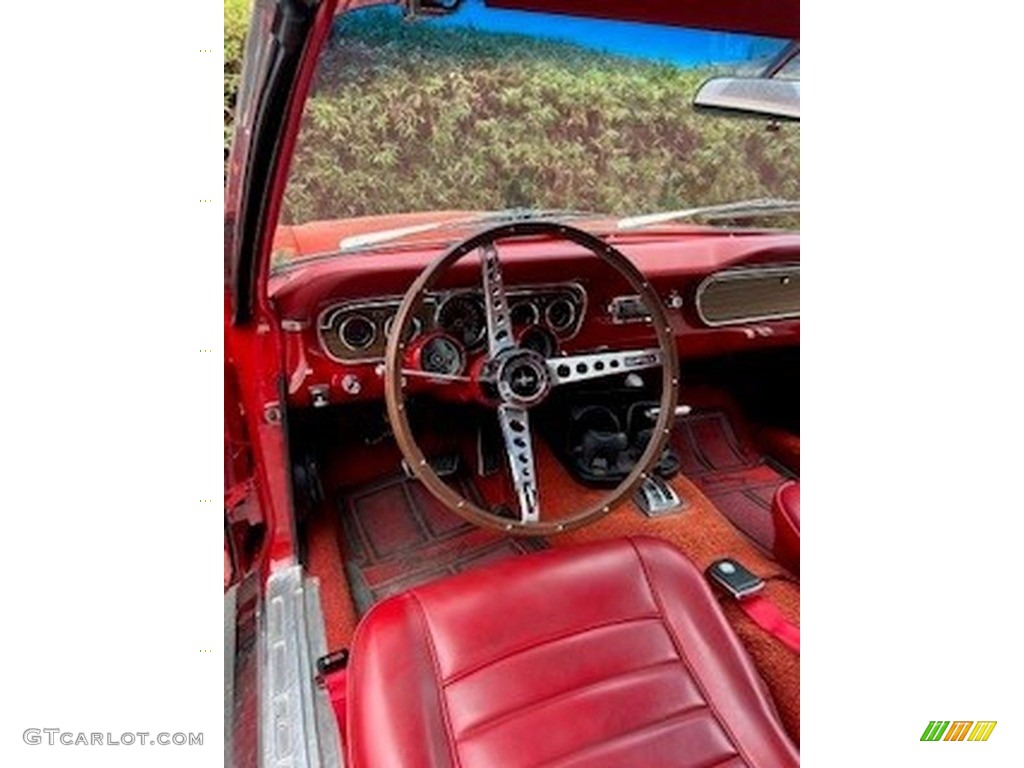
x=674, y=264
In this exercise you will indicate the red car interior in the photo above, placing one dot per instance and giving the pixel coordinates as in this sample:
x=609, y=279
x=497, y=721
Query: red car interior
x=676, y=261
x=384, y=535
x=373, y=533
x=606, y=655
x=463, y=645
x=392, y=561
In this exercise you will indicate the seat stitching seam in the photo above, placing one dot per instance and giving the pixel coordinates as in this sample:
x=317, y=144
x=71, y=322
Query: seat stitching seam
x=677, y=642
x=724, y=760
x=452, y=744
x=682, y=714
x=462, y=674
x=497, y=720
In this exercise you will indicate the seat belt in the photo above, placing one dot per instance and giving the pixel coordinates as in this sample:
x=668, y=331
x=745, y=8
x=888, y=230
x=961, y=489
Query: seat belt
x=768, y=617
x=743, y=586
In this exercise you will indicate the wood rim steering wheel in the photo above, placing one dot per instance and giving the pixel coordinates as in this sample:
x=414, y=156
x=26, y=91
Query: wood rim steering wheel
x=522, y=378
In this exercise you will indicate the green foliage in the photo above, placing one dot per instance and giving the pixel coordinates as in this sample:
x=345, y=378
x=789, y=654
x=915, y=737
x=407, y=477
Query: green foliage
x=236, y=24
x=409, y=117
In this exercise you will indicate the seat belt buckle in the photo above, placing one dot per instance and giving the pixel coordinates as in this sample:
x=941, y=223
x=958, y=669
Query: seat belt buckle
x=731, y=576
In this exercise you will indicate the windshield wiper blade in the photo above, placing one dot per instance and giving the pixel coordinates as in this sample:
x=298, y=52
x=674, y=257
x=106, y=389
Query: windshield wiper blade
x=370, y=239
x=743, y=208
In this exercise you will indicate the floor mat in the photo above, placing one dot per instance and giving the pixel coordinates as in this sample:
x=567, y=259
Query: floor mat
x=722, y=462
x=396, y=536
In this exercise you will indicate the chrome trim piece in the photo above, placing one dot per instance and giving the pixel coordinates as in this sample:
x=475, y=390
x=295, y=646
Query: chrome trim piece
x=572, y=368
x=325, y=320
x=616, y=305
x=230, y=632
x=522, y=377
x=574, y=311
x=680, y=411
x=296, y=732
x=656, y=498
x=350, y=319
x=515, y=427
x=326, y=317
x=272, y=413
x=497, y=313
x=416, y=323
x=534, y=312
x=745, y=273
x=320, y=395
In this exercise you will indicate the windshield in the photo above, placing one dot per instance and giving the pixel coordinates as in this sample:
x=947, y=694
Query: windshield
x=419, y=122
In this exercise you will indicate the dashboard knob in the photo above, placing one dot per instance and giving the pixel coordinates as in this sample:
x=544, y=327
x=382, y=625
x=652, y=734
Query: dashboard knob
x=351, y=385
x=320, y=396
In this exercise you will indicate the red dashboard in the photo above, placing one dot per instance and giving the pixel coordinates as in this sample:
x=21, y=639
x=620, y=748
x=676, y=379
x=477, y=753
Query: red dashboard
x=724, y=291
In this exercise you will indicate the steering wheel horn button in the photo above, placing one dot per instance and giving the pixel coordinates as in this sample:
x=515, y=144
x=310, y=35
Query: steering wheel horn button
x=523, y=378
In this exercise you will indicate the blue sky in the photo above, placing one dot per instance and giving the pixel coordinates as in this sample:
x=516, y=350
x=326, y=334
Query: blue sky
x=685, y=47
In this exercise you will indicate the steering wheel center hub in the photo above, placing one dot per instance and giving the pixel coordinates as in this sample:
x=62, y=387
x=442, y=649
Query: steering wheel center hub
x=522, y=377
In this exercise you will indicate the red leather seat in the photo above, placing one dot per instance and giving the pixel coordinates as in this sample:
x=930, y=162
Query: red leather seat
x=786, y=519
x=611, y=654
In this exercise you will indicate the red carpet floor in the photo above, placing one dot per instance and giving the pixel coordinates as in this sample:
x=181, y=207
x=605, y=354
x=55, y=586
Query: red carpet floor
x=396, y=535
x=727, y=468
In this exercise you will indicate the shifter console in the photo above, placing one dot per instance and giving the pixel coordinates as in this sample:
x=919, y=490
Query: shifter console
x=657, y=498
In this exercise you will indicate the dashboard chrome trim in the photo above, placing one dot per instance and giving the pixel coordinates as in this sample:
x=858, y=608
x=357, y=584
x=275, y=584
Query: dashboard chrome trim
x=351, y=318
x=739, y=274
x=433, y=301
x=560, y=329
x=617, y=310
x=534, y=312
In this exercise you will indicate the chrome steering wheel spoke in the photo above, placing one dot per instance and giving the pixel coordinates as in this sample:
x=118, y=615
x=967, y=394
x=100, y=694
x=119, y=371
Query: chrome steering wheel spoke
x=515, y=429
x=515, y=379
x=499, y=322
x=572, y=368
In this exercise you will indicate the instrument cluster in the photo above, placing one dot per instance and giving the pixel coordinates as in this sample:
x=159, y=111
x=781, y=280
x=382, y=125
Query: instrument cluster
x=542, y=317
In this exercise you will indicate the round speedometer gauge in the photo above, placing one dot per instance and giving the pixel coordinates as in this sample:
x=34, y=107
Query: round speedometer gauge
x=464, y=318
